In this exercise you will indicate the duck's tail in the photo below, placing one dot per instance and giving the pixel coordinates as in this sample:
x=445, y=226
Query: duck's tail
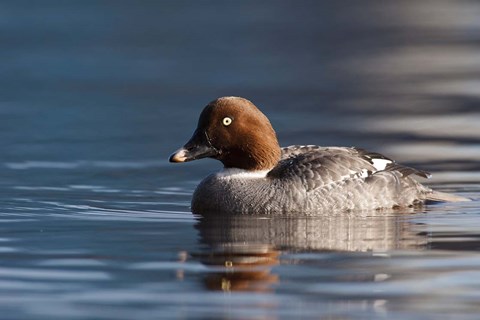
x=436, y=196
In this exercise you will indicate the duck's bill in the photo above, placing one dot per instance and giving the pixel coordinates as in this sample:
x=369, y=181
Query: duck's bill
x=197, y=147
x=184, y=155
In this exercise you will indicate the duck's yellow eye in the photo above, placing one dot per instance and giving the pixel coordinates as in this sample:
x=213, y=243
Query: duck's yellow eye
x=227, y=121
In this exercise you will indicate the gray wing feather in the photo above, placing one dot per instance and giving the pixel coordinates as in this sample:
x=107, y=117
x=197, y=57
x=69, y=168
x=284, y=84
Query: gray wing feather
x=392, y=166
x=316, y=167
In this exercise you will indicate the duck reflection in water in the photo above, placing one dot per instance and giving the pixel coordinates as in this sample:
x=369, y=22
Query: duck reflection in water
x=241, y=266
x=242, y=250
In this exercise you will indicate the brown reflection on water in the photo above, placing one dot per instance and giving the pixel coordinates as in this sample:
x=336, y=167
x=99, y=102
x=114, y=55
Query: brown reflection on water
x=243, y=267
x=241, y=250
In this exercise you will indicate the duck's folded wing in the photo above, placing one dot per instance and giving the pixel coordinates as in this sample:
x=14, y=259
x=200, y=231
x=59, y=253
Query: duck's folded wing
x=316, y=167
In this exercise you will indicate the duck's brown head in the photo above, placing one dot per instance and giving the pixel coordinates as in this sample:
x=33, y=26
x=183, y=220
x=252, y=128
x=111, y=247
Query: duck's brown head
x=234, y=131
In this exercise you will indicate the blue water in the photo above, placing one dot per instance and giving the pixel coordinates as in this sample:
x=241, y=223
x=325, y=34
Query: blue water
x=95, y=95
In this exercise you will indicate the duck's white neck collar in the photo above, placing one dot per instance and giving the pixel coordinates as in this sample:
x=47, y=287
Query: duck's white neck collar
x=242, y=173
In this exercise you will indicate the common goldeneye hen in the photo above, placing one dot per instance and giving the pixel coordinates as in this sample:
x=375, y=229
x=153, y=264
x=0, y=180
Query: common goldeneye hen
x=261, y=177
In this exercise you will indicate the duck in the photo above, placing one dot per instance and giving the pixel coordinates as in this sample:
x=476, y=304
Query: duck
x=260, y=177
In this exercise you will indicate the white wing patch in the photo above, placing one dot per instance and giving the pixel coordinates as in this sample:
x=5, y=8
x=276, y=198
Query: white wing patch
x=362, y=174
x=380, y=164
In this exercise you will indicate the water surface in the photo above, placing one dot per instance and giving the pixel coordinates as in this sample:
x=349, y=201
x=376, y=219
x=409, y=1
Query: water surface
x=94, y=96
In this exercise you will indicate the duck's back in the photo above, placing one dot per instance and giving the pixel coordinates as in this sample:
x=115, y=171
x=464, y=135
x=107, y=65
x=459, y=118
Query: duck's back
x=310, y=179
x=340, y=178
